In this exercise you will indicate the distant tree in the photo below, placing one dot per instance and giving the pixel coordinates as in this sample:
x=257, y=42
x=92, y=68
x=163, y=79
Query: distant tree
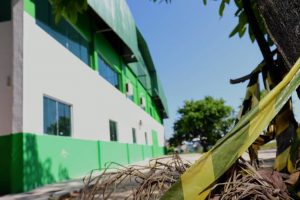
x=208, y=119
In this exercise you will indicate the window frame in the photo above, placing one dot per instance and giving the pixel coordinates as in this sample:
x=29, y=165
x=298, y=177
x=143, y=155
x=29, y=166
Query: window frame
x=71, y=114
x=134, y=139
x=65, y=33
x=146, y=138
x=116, y=128
x=117, y=71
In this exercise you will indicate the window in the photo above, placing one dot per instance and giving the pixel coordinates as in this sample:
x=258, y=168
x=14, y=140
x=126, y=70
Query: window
x=77, y=45
x=129, y=91
x=63, y=32
x=57, y=118
x=107, y=72
x=131, y=97
x=146, y=138
x=113, y=130
x=133, y=135
x=5, y=10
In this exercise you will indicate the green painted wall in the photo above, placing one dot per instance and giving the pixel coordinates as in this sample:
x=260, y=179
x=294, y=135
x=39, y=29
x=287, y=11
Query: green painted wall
x=11, y=173
x=100, y=45
x=147, y=150
x=113, y=152
x=135, y=152
x=131, y=78
x=49, y=159
x=5, y=167
x=155, y=147
x=33, y=160
x=140, y=91
x=16, y=173
x=29, y=7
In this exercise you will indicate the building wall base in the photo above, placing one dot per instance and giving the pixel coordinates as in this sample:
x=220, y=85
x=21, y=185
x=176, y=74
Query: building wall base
x=31, y=160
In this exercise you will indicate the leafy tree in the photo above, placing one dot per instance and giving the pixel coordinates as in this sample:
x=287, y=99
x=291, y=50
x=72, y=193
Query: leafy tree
x=208, y=119
x=69, y=9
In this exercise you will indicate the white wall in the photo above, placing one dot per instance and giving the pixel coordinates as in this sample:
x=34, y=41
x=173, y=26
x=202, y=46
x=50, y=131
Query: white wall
x=50, y=69
x=5, y=77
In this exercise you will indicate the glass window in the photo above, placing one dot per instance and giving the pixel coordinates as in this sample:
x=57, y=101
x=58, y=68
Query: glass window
x=77, y=44
x=57, y=118
x=131, y=97
x=133, y=135
x=50, y=116
x=107, y=72
x=64, y=119
x=63, y=32
x=113, y=130
x=146, y=138
x=130, y=89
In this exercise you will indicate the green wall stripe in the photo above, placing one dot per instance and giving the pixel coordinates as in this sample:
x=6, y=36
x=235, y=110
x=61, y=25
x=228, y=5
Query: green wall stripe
x=5, y=167
x=135, y=153
x=17, y=166
x=29, y=7
x=34, y=160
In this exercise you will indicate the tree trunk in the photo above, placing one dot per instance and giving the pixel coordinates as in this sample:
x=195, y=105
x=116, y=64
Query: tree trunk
x=282, y=19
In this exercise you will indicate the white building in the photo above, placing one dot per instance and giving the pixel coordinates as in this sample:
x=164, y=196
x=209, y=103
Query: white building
x=74, y=96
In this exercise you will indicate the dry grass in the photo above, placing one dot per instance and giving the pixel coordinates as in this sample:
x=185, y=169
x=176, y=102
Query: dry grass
x=245, y=182
x=135, y=182
x=242, y=181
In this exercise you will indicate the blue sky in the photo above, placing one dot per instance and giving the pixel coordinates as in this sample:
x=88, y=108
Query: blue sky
x=192, y=52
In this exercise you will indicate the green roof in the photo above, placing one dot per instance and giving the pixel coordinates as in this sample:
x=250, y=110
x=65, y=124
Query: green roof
x=117, y=16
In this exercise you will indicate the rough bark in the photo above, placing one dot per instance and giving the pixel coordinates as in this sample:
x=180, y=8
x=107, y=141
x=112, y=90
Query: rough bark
x=282, y=18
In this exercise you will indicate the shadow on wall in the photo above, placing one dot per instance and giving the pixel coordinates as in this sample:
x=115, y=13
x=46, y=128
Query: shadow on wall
x=5, y=167
x=36, y=160
x=37, y=172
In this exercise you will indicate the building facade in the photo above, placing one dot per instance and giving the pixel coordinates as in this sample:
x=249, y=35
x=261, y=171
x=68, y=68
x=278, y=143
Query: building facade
x=74, y=96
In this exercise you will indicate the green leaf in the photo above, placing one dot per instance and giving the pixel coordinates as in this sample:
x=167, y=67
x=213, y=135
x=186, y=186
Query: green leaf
x=234, y=31
x=241, y=27
x=242, y=19
x=57, y=18
x=238, y=3
x=205, y=2
x=68, y=9
x=242, y=31
x=222, y=7
x=238, y=12
x=270, y=41
x=251, y=35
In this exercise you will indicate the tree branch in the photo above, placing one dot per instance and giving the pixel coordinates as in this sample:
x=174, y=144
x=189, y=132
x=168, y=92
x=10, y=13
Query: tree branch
x=261, y=41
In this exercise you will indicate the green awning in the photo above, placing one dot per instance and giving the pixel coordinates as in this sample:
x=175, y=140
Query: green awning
x=156, y=87
x=116, y=14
